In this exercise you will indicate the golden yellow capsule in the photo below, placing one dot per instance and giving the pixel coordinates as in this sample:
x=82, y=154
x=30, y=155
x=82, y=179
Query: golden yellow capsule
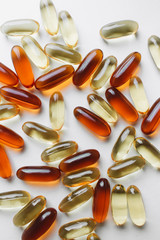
x=93, y=236
x=136, y=206
x=123, y=143
x=30, y=211
x=119, y=204
x=102, y=108
x=8, y=110
x=35, y=52
x=154, y=48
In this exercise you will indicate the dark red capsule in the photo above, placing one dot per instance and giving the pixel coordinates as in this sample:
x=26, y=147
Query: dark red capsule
x=7, y=76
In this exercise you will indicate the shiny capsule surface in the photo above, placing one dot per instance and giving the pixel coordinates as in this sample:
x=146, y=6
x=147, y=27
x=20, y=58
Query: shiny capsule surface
x=154, y=48
x=8, y=110
x=121, y=104
x=5, y=166
x=7, y=76
x=93, y=236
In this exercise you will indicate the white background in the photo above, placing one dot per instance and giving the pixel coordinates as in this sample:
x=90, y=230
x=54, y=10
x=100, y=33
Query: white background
x=89, y=17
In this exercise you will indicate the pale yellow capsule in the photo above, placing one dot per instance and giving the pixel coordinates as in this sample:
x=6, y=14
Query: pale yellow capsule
x=154, y=48
x=93, y=236
x=35, y=52
x=8, y=110
x=136, y=206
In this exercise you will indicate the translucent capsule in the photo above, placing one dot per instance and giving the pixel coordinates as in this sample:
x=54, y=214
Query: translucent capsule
x=8, y=110
x=136, y=206
x=7, y=76
x=93, y=236
x=154, y=48
x=35, y=52
x=5, y=166
x=20, y=27
x=30, y=211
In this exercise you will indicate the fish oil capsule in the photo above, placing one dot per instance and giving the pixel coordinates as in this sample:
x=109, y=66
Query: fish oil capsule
x=22, y=66
x=77, y=228
x=40, y=225
x=54, y=77
x=40, y=132
x=93, y=236
x=136, y=206
x=20, y=27
x=125, y=70
x=101, y=200
x=121, y=104
x=35, y=52
x=5, y=166
x=123, y=143
x=103, y=73
x=56, y=110
x=7, y=76
x=20, y=97
x=87, y=67
x=154, y=48
x=75, y=199
x=93, y=122
x=8, y=110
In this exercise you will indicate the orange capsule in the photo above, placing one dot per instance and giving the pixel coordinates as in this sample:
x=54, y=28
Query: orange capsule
x=101, y=200
x=7, y=76
x=5, y=166
x=120, y=103
x=125, y=70
x=87, y=67
x=20, y=97
x=93, y=122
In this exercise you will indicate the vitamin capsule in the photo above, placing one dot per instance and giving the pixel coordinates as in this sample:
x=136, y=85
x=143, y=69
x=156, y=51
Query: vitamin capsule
x=76, y=198
x=40, y=225
x=20, y=97
x=121, y=104
x=14, y=199
x=56, y=110
x=7, y=76
x=93, y=122
x=5, y=166
x=101, y=200
x=125, y=70
x=8, y=110
x=77, y=228
x=102, y=108
x=79, y=160
x=103, y=73
x=152, y=119
x=148, y=151
x=68, y=29
x=35, y=52
x=40, y=132
x=38, y=174
x=136, y=206
x=30, y=211
x=154, y=48
x=54, y=77
x=93, y=236
x=119, y=204
x=49, y=17
x=22, y=66
x=59, y=151
x=20, y=27
x=87, y=67
x=81, y=177
x=123, y=143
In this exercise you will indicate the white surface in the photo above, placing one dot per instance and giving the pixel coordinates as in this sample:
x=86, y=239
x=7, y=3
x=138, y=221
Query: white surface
x=89, y=16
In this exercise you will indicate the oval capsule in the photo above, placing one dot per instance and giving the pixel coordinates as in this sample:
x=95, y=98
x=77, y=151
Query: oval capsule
x=154, y=48
x=5, y=166
x=7, y=76
x=8, y=110
x=93, y=236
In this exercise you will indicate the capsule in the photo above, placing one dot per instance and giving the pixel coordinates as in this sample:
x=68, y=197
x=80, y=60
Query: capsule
x=103, y=73
x=121, y=104
x=148, y=151
x=125, y=70
x=81, y=177
x=119, y=204
x=56, y=110
x=136, y=206
x=40, y=225
x=8, y=110
x=20, y=97
x=68, y=29
x=38, y=173
x=35, y=52
x=30, y=211
x=87, y=67
x=79, y=160
x=5, y=166
x=101, y=200
x=20, y=27
x=40, y=132
x=54, y=77
x=7, y=76
x=77, y=228
x=93, y=122
x=22, y=66
x=152, y=119
x=93, y=236
x=154, y=48
x=123, y=143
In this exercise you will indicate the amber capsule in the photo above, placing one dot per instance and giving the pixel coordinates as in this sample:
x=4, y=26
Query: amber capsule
x=87, y=67
x=20, y=97
x=93, y=236
x=154, y=48
x=7, y=76
x=30, y=211
x=8, y=110
x=5, y=166
x=121, y=104
x=125, y=70
x=40, y=225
